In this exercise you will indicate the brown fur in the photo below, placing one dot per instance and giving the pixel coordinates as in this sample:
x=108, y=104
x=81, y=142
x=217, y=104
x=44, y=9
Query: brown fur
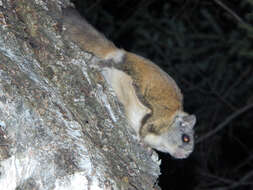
x=85, y=35
x=157, y=90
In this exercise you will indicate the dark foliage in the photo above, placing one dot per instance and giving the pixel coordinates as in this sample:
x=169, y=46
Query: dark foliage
x=207, y=47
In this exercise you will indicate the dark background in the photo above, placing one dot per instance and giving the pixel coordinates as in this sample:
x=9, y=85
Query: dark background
x=206, y=46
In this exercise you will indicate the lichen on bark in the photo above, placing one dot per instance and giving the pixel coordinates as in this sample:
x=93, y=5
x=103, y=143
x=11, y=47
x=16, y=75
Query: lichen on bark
x=61, y=127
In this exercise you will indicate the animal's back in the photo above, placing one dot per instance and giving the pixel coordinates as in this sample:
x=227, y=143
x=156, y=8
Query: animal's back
x=158, y=90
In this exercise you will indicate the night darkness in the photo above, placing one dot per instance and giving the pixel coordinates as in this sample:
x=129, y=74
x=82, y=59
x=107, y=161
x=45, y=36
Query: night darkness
x=206, y=46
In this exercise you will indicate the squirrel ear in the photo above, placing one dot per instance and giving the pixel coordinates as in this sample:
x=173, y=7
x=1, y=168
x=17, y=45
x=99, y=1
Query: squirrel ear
x=190, y=120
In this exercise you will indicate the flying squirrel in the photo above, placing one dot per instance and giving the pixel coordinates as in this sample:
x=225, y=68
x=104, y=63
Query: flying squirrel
x=152, y=101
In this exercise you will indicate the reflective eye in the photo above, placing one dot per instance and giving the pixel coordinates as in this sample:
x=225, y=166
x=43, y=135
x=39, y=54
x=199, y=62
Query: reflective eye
x=185, y=138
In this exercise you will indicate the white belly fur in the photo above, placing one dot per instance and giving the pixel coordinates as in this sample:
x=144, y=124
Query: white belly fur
x=121, y=83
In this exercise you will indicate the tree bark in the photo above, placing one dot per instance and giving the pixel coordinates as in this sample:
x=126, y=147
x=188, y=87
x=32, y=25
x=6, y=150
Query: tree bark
x=60, y=125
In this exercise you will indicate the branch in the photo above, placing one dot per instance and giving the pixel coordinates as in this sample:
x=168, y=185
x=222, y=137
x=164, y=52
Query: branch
x=226, y=122
x=230, y=11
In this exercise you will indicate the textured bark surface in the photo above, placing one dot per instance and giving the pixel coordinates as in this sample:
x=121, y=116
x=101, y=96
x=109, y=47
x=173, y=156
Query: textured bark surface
x=60, y=125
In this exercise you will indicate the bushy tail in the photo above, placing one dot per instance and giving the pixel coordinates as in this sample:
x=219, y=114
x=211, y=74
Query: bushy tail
x=78, y=30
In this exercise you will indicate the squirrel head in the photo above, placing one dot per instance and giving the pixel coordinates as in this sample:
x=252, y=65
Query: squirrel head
x=177, y=139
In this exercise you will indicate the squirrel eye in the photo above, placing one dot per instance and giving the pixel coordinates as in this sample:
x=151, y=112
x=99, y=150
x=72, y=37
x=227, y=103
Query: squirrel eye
x=185, y=138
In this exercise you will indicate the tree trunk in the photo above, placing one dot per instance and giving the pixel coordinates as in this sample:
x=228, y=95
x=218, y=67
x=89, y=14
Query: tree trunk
x=60, y=126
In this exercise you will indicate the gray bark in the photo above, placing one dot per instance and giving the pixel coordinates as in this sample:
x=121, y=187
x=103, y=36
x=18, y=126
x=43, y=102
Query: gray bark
x=61, y=127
